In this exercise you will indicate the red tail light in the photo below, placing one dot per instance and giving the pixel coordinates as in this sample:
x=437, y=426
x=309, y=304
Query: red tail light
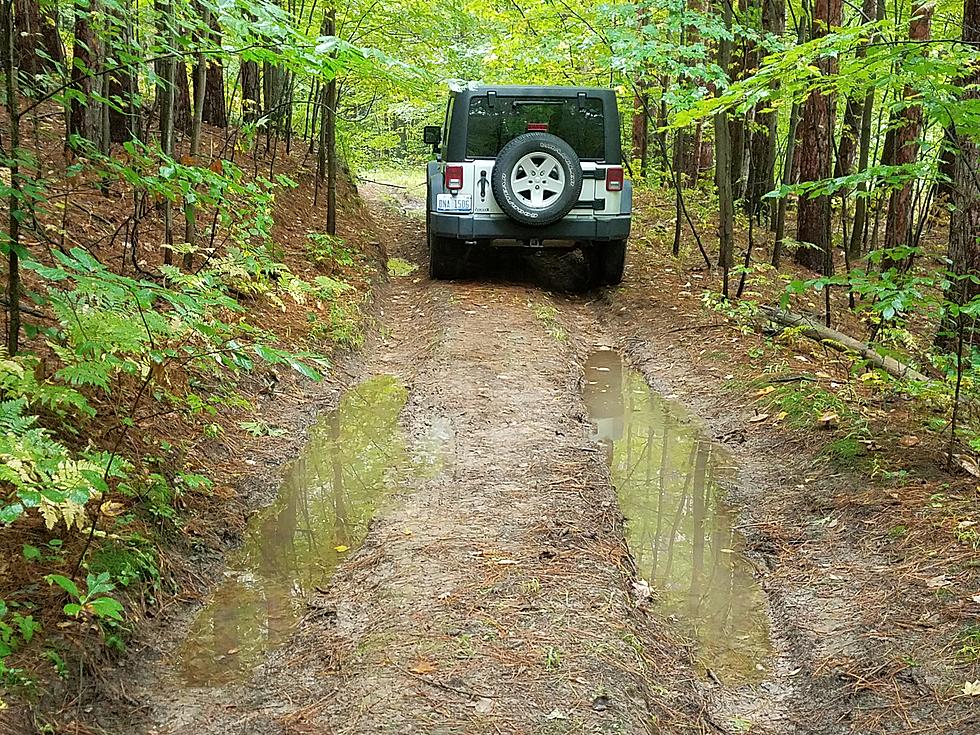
x=537, y=127
x=454, y=178
x=614, y=179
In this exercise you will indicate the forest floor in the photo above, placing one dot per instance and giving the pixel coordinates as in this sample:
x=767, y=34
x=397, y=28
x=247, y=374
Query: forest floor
x=487, y=585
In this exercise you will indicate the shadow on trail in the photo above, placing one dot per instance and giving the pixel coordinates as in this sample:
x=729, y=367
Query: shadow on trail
x=552, y=270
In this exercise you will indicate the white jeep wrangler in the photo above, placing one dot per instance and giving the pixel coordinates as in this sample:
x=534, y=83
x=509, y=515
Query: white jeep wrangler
x=531, y=166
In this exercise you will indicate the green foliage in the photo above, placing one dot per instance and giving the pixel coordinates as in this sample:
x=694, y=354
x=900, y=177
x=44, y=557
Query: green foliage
x=548, y=315
x=328, y=250
x=16, y=631
x=342, y=326
x=91, y=602
x=261, y=428
x=397, y=267
x=969, y=650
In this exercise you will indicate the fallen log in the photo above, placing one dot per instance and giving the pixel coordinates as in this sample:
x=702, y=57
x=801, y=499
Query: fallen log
x=841, y=342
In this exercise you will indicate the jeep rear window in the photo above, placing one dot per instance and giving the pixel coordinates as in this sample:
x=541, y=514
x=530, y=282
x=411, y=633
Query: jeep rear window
x=578, y=122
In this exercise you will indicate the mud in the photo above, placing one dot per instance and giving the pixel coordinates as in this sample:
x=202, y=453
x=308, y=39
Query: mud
x=573, y=560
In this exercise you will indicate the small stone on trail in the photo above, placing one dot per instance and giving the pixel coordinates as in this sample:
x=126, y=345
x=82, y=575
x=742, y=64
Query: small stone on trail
x=600, y=703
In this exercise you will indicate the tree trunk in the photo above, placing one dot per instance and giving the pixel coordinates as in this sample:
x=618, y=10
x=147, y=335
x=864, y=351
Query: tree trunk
x=737, y=64
x=37, y=42
x=871, y=10
x=273, y=88
x=763, y=149
x=947, y=162
x=964, y=219
x=640, y=127
x=85, y=113
x=183, y=117
x=14, y=203
x=214, y=112
x=166, y=95
x=330, y=103
x=816, y=128
x=123, y=112
x=723, y=166
x=251, y=92
x=899, y=219
x=173, y=68
x=641, y=124
x=200, y=78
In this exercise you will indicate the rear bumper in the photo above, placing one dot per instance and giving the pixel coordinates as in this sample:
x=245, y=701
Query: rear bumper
x=482, y=227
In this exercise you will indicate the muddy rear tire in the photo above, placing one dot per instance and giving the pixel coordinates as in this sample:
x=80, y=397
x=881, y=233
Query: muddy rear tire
x=445, y=256
x=607, y=262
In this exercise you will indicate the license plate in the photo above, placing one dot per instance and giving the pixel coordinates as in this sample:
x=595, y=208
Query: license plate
x=450, y=203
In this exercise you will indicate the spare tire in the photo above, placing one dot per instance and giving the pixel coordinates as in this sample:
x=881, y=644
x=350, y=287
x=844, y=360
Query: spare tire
x=537, y=179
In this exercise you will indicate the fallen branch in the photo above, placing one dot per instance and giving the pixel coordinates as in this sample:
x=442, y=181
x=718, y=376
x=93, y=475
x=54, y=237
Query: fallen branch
x=841, y=342
x=380, y=183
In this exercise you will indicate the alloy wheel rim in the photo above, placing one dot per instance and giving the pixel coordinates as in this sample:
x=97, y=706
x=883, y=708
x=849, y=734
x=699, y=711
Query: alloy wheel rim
x=538, y=180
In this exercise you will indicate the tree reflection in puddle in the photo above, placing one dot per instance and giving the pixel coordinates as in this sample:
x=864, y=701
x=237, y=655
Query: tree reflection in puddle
x=356, y=456
x=670, y=481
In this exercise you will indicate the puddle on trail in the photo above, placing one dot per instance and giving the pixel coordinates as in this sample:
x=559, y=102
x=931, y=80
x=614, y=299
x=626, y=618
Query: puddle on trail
x=671, y=485
x=356, y=456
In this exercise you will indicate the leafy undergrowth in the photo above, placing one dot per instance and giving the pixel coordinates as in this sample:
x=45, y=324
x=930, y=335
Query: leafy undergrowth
x=810, y=383
x=138, y=366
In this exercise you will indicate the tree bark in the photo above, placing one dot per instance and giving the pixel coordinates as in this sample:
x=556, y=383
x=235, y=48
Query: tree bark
x=123, y=112
x=166, y=94
x=200, y=78
x=871, y=10
x=906, y=150
x=37, y=42
x=723, y=165
x=330, y=105
x=640, y=127
x=841, y=342
x=964, y=219
x=183, y=115
x=14, y=203
x=816, y=128
x=251, y=91
x=214, y=112
x=762, y=163
x=85, y=113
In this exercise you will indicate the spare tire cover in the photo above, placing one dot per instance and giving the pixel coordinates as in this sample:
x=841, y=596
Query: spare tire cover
x=537, y=179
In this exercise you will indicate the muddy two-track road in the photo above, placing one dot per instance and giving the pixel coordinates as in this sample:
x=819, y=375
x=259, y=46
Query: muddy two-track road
x=449, y=554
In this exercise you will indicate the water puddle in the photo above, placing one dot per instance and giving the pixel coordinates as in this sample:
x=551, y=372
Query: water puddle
x=355, y=458
x=671, y=485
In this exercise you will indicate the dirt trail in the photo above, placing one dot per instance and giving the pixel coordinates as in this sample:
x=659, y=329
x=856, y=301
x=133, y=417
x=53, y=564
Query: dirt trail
x=496, y=596
x=496, y=592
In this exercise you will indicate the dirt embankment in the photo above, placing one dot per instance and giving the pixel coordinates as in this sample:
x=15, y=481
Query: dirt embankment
x=495, y=593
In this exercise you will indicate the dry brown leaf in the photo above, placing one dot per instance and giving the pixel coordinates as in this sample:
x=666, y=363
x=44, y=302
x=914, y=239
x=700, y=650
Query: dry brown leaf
x=111, y=509
x=828, y=420
x=969, y=464
x=758, y=417
x=909, y=441
x=765, y=391
x=423, y=667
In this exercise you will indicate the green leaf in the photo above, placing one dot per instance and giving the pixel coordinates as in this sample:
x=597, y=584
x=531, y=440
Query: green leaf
x=66, y=584
x=303, y=369
x=107, y=607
